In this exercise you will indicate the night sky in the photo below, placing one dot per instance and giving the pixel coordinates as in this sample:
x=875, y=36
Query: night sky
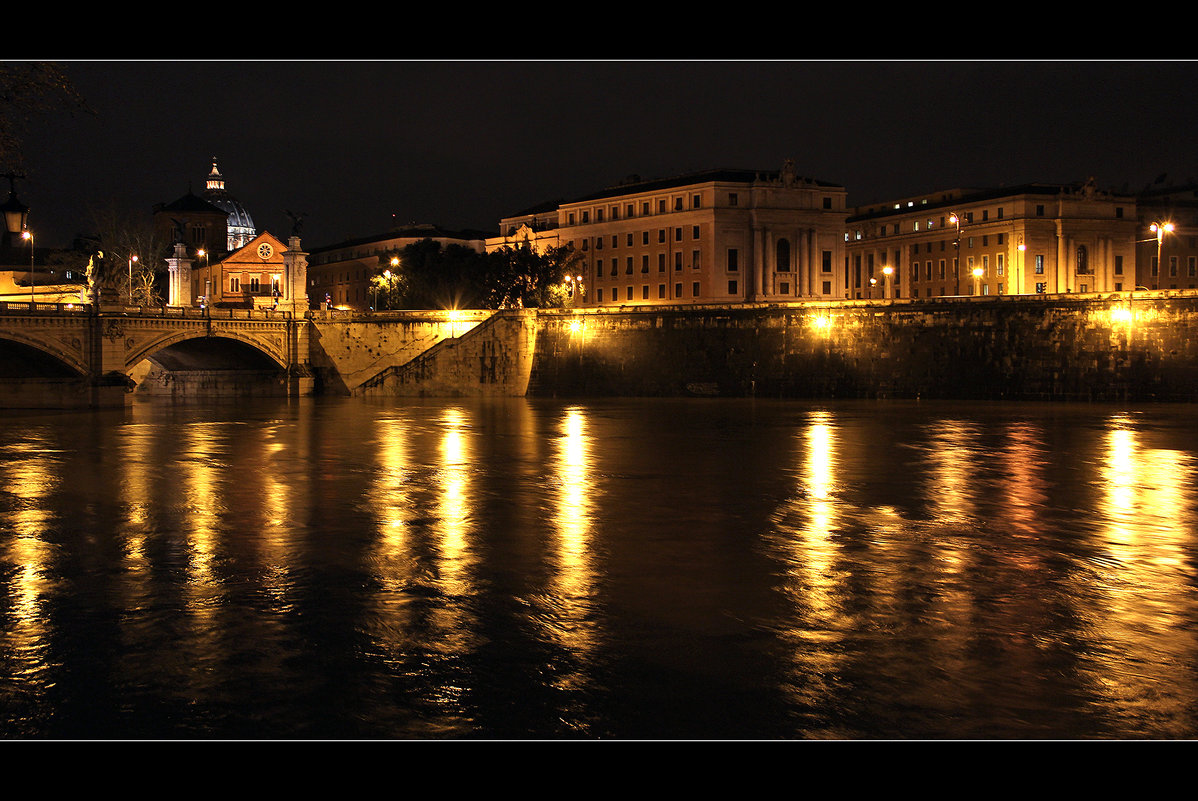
x=462, y=144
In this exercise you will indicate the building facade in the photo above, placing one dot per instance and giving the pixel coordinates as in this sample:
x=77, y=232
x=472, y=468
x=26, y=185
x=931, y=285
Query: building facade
x=252, y=276
x=1037, y=238
x=720, y=236
x=1167, y=238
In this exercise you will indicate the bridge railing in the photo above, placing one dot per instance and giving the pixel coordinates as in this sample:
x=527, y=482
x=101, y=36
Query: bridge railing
x=41, y=307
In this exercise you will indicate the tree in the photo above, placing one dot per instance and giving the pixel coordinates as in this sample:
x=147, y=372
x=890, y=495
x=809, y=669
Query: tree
x=121, y=234
x=520, y=277
x=29, y=88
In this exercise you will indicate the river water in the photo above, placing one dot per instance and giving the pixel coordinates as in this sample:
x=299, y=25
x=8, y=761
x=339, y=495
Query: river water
x=526, y=568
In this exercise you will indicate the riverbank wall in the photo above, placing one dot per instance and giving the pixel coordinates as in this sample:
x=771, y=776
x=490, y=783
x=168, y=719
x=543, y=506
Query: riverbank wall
x=1059, y=347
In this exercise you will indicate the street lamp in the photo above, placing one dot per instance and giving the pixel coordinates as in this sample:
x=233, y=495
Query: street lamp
x=27, y=234
x=132, y=258
x=977, y=278
x=1160, y=229
x=387, y=280
x=955, y=219
x=873, y=282
x=208, y=278
x=888, y=271
x=1022, y=248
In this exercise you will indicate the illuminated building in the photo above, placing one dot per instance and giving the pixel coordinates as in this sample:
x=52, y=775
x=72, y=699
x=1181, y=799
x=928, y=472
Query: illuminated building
x=250, y=277
x=340, y=274
x=240, y=227
x=1036, y=238
x=720, y=236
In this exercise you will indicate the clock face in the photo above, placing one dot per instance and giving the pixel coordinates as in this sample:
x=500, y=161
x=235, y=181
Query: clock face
x=265, y=251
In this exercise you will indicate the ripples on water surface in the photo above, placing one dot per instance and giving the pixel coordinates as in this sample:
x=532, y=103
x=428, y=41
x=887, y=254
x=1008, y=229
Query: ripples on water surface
x=337, y=568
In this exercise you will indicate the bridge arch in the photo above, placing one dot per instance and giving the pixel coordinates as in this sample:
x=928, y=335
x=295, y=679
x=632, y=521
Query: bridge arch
x=203, y=349
x=27, y=356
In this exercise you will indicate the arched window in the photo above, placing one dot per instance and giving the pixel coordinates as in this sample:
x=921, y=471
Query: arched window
x=782, y=256
x=1083, y=263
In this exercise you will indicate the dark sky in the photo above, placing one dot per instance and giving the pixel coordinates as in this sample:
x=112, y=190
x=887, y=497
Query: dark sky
x=461, y=144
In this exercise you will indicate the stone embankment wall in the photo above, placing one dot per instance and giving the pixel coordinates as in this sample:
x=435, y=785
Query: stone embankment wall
x=350, y=350
x=494, y=358
x=1065, y=347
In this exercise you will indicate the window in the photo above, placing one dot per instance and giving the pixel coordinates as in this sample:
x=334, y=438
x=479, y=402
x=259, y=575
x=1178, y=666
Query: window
x=628, y=240
x=1190, y=267
x=784, y=288
x=827, y=261
x=598, y=215
x=732, y=199
x=827, y=287
x=1173, y=266
x=998, y=265
x=678, y=234
x=694, y=259
x=661, y=262
x=661, y=290
x=661, y=206
x=645, y=263
x=734, y=260
x=677, y=261
x=615, y=241
x=1083, y=260
x=696, y=201
x=827, y=203
x=255, y=286
x=628, y=266
x=694, y=232
x=234, y=283
x=1039, y=212
x=1119, y=265
x=645, y=209
x=695, y=289
x=941, y=268
x=1155, y=266
x=586, y=217
x=677, y=204
x=599, y=295
x=782, y=256
x=677, y=290
x=644, y=292
x=1039, y=266
x=1041, y=288
x=644, y=237
x=732, y=287
x=661, y=235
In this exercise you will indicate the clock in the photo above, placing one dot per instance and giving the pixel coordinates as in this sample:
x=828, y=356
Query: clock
x=265, y=251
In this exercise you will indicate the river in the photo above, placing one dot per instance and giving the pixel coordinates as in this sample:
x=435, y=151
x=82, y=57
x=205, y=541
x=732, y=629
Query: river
x=335, y=568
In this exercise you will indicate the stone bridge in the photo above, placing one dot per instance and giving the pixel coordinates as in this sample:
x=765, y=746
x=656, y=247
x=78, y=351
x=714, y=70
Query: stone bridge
x=73, y=355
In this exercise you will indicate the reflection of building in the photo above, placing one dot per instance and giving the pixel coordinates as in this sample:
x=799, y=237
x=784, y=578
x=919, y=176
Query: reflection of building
x=721, y=236
x=240, y=225
x=250, y=277
x=342, y=272
x=1037, y=238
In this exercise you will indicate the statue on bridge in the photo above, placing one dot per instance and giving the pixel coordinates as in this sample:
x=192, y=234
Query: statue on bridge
x=102, y=279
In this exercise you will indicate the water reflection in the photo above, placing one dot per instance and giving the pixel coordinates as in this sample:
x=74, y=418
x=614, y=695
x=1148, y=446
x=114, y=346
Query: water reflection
x=640, y=568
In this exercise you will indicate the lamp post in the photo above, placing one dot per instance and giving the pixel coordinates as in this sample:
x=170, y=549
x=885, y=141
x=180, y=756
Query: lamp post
x=207, y=279
x=873, y=282
x=132, y=258
x=1160, y=229
x=387, y=282
x=888, y=271
x=27, y=234
x=955, y=219
x=1019, y=267
x=977, y=279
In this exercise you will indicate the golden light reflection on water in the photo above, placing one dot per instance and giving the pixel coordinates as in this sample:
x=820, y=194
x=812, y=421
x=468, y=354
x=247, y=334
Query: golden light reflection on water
x=573, y=575
x=27, y=473
x=1143, y=572
x=454, y=506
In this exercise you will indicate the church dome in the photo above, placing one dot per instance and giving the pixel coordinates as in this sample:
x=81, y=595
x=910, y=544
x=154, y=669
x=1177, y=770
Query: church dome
x=241, y=225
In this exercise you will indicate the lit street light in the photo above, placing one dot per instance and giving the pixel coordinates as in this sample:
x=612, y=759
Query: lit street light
x=888, y=271
x=132, y=258
x=27, y=234
x=955, y=219
x=1160, y=229
x=977, y=279
x=207, y=280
